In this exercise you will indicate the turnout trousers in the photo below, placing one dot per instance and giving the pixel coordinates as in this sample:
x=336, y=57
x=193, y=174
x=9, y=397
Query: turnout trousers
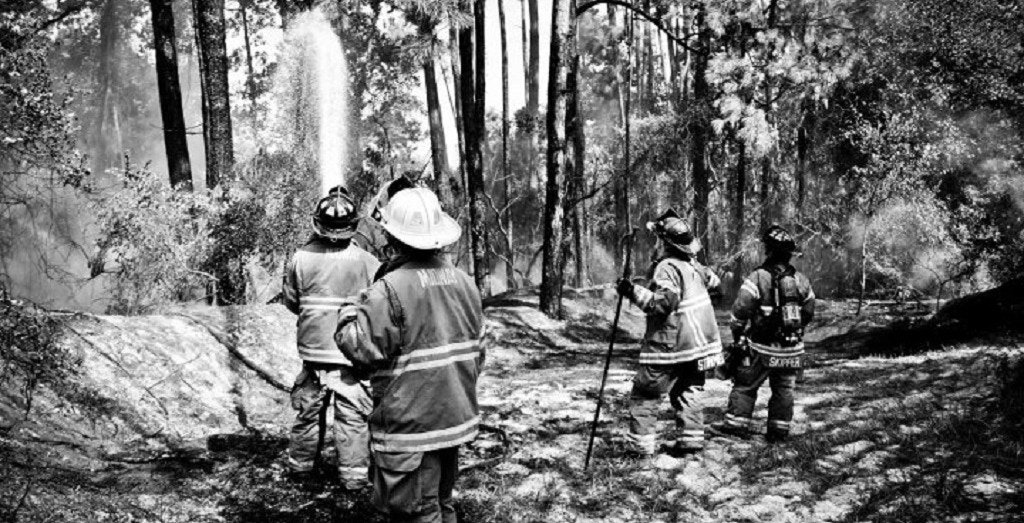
x=415, y=487
x=748, y=380
x=684, y=385
x=330, y=395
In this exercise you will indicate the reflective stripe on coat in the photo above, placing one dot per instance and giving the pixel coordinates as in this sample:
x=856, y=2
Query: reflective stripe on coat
x=319, y=280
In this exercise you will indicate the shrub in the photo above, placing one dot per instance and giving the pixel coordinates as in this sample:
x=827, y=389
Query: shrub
x=164, y=245
x=155, y=241
x=29, y=352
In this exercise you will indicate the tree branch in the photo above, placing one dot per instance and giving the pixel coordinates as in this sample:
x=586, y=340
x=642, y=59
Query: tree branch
x=680, y=40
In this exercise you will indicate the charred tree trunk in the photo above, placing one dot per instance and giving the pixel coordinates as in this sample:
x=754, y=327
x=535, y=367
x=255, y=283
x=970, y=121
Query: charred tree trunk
x=574, y=133
x=472, y=82
x=560, y=156
x=220, y=155
x=455, y=36
x=179, y=168
x=444, y=184
x=510, y=279
x=700, y=130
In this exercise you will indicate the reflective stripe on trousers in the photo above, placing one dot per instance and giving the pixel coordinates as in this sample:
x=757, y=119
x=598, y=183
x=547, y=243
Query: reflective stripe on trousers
x=684, y=385
x=347, y=416
x=744, y=395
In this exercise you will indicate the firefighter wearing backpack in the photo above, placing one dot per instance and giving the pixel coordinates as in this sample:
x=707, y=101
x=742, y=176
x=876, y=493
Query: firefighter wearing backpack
x=681, y=341
x=325, y=272
x=774, y=304
x=418, y=328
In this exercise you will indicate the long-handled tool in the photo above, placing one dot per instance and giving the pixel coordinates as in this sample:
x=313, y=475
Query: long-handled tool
x=627, y=242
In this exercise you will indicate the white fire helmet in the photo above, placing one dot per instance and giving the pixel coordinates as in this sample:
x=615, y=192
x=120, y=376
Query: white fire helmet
x=415, y=218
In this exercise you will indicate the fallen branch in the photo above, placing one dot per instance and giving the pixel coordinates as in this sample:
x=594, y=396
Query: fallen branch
x=484, y=463
x=228, y=344
x=13, y=516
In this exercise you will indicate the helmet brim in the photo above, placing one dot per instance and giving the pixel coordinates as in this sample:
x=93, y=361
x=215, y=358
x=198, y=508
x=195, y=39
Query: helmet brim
x=445, y=234
x=690, y=248
x=334, y=234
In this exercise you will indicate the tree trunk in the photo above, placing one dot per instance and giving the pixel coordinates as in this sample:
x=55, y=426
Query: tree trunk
x=510, y=279
x=523, y=17
x=560, y=157
x=622, y=181
x=802, y=145
x=220, y=155
x=738, y=213
x=108, y=151
x=444, y=184
x=533, y=71
x=574, y=133
x=455, y=53
x=473, y=89
x=700, y=130
x=250, y=79
x=767, y=211
x=179, y=168
x=864, y=264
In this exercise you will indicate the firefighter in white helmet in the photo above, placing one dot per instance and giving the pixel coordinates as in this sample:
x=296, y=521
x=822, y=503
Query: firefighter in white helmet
x=418, y=329
x=681, y=341
x=774, y=304
x=325, y=272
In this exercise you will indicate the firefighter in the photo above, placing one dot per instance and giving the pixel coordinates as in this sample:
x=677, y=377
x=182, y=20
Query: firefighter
x=681, y=341
x=774, y=304
x=418, y=330
x=322, y=274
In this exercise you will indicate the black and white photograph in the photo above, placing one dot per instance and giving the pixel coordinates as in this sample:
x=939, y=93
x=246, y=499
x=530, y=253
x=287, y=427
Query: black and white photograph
x=512, y=261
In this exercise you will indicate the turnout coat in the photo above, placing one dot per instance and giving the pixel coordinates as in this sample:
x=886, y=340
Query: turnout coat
x=753, y=307
x=418, y=328
x=321, y=277
x=681, y=324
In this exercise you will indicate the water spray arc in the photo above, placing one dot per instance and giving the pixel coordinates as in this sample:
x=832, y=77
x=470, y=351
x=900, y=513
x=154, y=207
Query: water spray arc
x=313, y=88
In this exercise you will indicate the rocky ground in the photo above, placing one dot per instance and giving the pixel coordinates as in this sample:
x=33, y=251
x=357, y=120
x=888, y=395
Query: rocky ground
x=184, y=419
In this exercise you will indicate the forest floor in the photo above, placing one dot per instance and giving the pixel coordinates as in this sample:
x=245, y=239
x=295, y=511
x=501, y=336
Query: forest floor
x=931, y=436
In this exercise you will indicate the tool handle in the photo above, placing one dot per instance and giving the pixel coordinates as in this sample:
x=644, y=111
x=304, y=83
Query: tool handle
x=628, y=241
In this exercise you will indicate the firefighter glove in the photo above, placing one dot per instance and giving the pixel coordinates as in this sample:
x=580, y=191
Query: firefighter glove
x=625, y=288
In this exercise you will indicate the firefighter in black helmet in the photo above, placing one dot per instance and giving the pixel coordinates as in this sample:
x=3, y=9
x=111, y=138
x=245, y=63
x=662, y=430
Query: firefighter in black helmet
x=681, y=341
x=774, y=304
x=325, y=273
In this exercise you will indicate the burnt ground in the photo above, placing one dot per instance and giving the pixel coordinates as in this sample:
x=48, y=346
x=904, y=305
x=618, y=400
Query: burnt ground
x=926, y=436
